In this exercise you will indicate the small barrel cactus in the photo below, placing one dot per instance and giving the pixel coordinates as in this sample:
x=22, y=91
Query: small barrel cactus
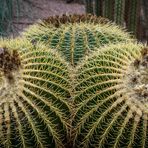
x=76, y=35
x=34, y=88
x=111, y=96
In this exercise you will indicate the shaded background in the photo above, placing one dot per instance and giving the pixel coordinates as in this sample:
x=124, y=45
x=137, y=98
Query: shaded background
x=15, y=15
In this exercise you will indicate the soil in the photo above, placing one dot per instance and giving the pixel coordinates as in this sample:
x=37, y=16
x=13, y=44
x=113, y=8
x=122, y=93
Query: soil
x=33, y=10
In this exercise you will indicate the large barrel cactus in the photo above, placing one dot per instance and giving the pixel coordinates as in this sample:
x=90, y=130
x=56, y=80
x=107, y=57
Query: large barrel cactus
x=111, y=96
x=34, y=88
x=76, y=35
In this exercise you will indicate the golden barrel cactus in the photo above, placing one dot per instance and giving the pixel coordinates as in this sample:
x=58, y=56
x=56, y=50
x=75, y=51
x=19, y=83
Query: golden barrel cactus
x=111, y=98
x=34, y=93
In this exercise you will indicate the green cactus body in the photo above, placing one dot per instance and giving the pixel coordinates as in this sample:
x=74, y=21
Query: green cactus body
x=89, y=6
x=133, y=15
x=119, y=11
x=108, y=8
x=111, y=96
x=34, y=87
x=75, y=36
x=97, y=6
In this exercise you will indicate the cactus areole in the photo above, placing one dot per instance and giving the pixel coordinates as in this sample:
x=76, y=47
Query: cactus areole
x=136, y=79
x=9, y=65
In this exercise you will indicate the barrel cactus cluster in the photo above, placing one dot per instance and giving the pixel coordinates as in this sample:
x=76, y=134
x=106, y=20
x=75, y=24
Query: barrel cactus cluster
x=73, y=81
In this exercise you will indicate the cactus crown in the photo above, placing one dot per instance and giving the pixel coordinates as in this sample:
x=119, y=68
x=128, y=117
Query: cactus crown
x=9, y=62
x=111, y=98
x=57, y=21
x=34, y=92
x=136, y=78
x=75, y=35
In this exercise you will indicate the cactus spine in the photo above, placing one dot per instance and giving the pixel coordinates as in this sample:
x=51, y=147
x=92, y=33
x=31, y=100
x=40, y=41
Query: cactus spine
x=111, y=95
x=75, y=36
x=34, y=87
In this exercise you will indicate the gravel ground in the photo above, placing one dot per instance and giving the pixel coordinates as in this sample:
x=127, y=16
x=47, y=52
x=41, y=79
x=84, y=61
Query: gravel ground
x=39, y=9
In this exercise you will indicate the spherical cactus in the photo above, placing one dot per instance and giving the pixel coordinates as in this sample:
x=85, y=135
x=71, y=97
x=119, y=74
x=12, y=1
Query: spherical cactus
x=76, y=35
x=34, y=92
x=111, y=97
